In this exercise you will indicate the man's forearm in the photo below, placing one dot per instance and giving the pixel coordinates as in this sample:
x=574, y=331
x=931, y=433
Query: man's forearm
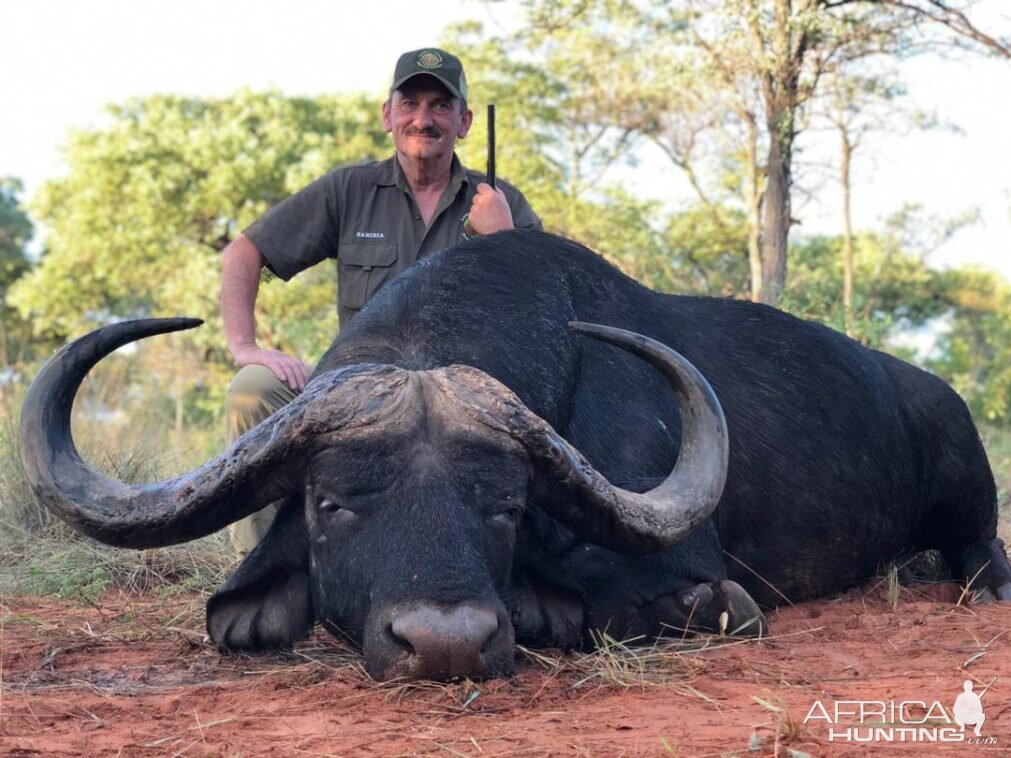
x=240, y=280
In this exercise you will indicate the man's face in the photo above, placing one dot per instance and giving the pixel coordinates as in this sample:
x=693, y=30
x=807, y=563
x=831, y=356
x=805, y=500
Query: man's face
x=425, y=119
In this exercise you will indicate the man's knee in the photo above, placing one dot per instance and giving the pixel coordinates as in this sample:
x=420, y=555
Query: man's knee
x=248, y=532
x=253, y=394
x=255, y=381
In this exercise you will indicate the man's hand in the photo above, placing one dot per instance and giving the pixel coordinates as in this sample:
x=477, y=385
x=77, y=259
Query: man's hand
x=289, y=370
x=489, y=211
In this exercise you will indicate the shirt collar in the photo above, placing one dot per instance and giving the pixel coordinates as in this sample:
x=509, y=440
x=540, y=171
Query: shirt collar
x=388, y=172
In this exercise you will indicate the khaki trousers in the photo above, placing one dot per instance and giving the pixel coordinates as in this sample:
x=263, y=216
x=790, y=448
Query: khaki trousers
x=253, y=394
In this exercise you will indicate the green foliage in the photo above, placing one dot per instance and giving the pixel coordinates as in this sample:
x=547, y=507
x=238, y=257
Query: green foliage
x=895, y=290
x=706, y=253
x=973, y=350
x=997, y=440
x=150, y=201
x=15, y=232
x=71, y=567
x=966, y=312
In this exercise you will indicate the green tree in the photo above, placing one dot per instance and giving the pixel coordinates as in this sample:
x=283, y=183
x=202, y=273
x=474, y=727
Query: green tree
x=137, y=225
x=973, y=350
x=705, y=252
x=15, y=233
x=857, y=105
x=895, y=292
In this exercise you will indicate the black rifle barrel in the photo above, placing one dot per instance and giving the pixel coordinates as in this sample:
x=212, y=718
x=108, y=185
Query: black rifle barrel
x=491, y=146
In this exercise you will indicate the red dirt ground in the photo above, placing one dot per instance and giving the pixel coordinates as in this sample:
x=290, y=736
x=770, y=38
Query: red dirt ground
x=133, y=675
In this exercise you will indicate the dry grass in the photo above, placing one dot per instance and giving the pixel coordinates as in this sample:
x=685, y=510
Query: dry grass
x=636, y=664
x=40, y=555
x=998, y=448
x=625, y=664
x=122, y=426
x=782, y=731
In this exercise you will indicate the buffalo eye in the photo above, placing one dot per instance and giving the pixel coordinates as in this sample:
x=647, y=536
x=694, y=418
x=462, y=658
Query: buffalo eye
x=334, y=512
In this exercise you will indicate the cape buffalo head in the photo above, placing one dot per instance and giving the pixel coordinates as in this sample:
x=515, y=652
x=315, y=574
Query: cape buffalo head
x=404, y=495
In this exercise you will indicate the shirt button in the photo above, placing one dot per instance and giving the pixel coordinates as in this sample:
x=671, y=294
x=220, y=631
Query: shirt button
x=417, y=218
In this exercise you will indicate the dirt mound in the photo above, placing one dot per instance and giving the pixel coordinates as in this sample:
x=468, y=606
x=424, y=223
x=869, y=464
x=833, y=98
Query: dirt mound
x=133, y=675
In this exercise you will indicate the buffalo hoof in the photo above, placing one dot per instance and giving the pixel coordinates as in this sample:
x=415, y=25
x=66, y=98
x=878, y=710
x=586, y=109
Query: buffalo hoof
x=721, y=608
x=699, y=596
x=985, y=595
x=744, y=619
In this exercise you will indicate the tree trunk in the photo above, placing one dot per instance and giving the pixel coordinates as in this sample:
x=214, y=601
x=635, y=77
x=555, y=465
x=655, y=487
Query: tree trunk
x=777, y=215
x=780, y=94
x=844, y=178
x=753, y=188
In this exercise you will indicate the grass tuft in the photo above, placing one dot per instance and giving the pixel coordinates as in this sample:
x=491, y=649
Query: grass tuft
x=784, y=729
x=79, y=568
x=894, y=586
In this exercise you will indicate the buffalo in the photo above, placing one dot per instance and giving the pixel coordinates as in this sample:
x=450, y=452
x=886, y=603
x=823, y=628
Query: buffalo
x=515, y=442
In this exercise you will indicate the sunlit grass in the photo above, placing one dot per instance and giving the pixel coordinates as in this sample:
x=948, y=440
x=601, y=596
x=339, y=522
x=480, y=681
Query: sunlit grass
x=998, y=448
x=40, y=555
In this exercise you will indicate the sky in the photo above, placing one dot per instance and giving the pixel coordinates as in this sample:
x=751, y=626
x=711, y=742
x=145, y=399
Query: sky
x=65, y=60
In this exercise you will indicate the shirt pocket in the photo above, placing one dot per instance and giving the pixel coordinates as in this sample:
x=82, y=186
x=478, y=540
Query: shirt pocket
x=364, y=269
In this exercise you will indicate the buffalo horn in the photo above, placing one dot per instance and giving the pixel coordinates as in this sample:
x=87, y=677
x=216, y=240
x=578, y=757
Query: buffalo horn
x=264, y=465
x=580, y=497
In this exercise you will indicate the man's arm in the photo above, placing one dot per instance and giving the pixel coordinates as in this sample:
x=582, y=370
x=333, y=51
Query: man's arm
x=240, y=281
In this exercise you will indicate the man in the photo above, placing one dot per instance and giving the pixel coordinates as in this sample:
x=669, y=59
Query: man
x=376, y=219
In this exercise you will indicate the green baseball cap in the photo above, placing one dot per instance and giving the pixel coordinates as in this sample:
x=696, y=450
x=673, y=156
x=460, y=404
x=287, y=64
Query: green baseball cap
x=431, y=61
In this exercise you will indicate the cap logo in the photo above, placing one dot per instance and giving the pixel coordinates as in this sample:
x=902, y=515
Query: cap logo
x=430, y=59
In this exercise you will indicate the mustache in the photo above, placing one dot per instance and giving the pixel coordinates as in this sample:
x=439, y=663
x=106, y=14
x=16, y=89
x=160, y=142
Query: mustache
x=428, y=131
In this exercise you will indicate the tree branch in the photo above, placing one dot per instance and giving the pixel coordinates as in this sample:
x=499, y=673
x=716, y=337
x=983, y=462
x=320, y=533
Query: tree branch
x=942, y=13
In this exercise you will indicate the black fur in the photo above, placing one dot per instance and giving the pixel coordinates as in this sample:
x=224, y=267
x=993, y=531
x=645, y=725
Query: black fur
x=841, y=458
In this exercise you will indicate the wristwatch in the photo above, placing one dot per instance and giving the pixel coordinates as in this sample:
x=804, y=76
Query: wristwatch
x=468, y=231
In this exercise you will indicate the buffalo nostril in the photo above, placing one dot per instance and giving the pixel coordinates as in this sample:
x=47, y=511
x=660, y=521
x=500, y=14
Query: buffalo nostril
x=397, y=640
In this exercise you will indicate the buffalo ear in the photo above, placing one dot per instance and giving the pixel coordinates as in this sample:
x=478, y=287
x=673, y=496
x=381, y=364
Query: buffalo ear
x=266, y=603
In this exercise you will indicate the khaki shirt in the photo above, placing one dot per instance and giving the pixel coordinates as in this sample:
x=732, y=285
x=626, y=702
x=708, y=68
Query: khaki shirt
x=366, y=218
